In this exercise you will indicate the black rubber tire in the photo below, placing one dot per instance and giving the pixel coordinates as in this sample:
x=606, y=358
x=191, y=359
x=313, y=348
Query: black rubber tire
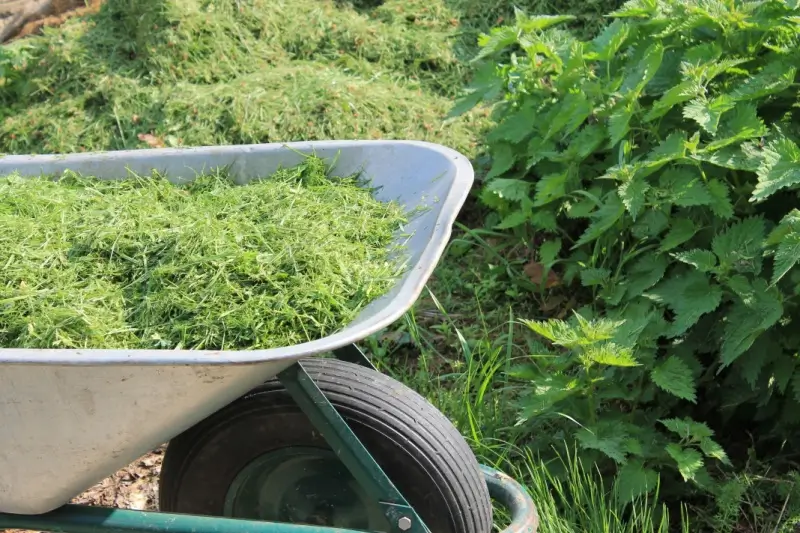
x=418, y=448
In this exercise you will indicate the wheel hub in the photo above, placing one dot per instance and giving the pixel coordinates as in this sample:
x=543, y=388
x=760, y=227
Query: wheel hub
x=302, y=485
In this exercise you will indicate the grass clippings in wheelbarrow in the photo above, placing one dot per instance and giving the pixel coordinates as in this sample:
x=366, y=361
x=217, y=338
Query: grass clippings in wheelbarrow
x=142, y=263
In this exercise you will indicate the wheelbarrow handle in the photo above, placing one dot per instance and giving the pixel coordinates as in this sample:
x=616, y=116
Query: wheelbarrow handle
x=524, y=518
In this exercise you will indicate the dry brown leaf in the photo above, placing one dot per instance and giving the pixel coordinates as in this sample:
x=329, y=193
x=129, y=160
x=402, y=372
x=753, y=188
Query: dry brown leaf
x=535, y=271
x=151, y=140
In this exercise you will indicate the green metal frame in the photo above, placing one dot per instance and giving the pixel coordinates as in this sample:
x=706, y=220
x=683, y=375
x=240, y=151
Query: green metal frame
x=402, y=518
x=324, y=417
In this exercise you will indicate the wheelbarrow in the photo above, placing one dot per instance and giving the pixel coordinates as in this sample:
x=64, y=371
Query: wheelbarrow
x=270, y=441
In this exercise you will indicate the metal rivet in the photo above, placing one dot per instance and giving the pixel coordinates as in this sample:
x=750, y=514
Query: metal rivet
x=404, y=523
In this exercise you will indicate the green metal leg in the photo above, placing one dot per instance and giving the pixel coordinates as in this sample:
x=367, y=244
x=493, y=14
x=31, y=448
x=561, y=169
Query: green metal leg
x=353, y=354
x=83, y=519
x=401, y=516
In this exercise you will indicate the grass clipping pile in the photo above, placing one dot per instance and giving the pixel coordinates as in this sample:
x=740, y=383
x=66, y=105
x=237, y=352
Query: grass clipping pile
x=142, y=263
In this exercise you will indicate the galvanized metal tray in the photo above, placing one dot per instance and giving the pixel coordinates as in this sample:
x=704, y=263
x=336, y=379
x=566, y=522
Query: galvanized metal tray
x=69, y=418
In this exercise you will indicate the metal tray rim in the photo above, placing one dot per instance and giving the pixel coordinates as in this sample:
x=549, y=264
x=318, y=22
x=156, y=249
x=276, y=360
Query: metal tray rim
x=411, y=288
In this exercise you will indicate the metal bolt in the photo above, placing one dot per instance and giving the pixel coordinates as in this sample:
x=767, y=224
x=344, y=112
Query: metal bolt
x=404, y=523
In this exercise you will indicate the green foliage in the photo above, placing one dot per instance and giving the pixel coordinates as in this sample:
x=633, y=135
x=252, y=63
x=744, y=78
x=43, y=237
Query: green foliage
x=579, y=384
x=664, y=154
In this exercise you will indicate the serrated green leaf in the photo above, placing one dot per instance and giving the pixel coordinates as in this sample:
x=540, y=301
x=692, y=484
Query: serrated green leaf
x=753, y=361
x=780, y=168
x=787, y=238
x=773, y=78
x=539, y=149
x=681, y=230
x=782, y=372
x=594, y=276
x=568, y=115
x=786, y=256
x=606, y=45
x=740, y=124
x=675, y=377
x=668, y=74
x=711, y=449
x=715, y=68
x=683, y=92
x=485, y=86
x=603, y=219
x=689, y=295
x=544, y=219
x=544, y=393
x=556, y=331
x=610, y=354
x=645, y=69
x=496, y=40
x=581, y=209
x=635, y=317
x=548, y=251
x=540, y=22
x=632, y=194
x=513, y=220
x=684, y=187
x=720, y=203
x=612, y=446
x=644, y=273
x=740, y=246
x=594, y=331
x=708, y=113
x=789, y=223
x=650, y=224
x=503, y=158
x=515, y=127
x=509, y=189
x=689, y=461
x=619, y=123
x=636, y=9
x=688, y=429
x=550, y=188
x=752, y=315
x=583, y=144
x=702, y=260
x=612, y=294
x=729, y=157
x=634, y=480
x=670, y=149
x=633, y=446
x=702, y=53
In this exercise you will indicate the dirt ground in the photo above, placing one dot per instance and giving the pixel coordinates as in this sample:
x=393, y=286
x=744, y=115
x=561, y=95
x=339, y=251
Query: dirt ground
x=133, y=487
x=25, y=17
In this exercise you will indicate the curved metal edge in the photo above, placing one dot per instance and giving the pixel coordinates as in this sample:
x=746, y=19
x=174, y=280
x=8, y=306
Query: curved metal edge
x=524, y=518
x=411, y=287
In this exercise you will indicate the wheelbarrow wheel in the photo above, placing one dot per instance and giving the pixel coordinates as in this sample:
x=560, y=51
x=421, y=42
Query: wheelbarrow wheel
x=260, y=458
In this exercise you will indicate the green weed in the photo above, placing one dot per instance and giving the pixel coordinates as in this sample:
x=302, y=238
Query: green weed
x=654, y=167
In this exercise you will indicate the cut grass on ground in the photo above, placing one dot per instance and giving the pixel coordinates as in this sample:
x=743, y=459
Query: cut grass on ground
x=186, y=72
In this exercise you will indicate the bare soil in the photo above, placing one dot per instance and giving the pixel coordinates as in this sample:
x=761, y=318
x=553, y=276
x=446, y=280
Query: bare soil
x=133, y=487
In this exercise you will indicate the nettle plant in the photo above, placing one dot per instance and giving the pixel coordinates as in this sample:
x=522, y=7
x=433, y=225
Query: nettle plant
x=660, y=163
